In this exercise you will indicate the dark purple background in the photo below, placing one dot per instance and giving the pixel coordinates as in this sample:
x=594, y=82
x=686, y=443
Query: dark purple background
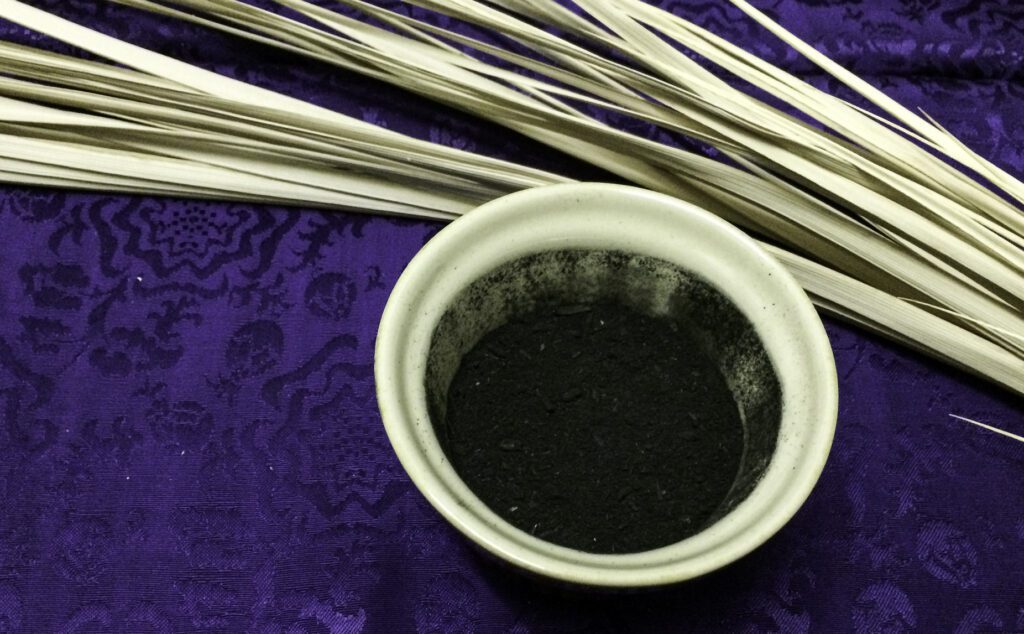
x=190, y=439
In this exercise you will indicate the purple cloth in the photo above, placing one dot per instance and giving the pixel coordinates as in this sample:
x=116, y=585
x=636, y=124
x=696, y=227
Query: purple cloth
x=190, y=441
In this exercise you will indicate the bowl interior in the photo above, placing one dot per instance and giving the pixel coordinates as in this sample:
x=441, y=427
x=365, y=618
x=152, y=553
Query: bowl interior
x=645, y=284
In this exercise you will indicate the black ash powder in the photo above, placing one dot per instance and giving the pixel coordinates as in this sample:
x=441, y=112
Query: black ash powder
x=595, y=427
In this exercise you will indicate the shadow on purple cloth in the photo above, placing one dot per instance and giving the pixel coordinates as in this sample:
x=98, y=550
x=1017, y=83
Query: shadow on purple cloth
x=191, y=443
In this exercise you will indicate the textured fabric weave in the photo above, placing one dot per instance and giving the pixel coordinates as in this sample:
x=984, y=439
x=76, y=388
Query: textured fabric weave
x=189, y=440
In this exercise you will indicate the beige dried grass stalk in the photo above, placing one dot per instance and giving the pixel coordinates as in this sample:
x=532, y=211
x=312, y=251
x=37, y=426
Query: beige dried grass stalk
x=865, y=214
x=1001, y=432
x=203, y=131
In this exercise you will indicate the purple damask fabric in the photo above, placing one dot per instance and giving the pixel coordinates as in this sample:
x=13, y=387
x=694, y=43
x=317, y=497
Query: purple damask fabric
x=190, y=441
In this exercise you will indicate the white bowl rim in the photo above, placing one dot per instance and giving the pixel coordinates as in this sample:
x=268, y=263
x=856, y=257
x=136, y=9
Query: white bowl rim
x=583, y=212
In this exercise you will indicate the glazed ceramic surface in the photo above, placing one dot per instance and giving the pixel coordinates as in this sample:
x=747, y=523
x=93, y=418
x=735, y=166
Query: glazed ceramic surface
x=613, y=219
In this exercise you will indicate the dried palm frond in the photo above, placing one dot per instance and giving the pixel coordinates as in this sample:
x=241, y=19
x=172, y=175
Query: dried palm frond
x=868, y=213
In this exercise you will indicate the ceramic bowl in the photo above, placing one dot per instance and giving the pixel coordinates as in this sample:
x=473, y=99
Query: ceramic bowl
x=583, y=242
